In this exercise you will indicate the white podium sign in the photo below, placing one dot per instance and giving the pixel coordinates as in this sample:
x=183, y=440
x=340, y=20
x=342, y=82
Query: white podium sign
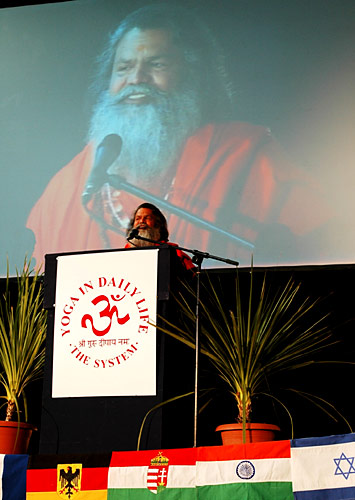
x=103, y=344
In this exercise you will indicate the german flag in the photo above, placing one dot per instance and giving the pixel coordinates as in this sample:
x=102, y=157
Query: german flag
x=69, y=476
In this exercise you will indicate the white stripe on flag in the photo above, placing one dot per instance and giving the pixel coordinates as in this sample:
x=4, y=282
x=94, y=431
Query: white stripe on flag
x=127, y=477
x=179, y=476
x=323, y=467
x=231, y=471
x=2, y=458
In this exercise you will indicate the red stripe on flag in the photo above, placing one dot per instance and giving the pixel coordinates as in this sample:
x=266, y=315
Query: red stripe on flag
x=94, y=479
x=41, y=480
x=183, y=456
x=252, y=451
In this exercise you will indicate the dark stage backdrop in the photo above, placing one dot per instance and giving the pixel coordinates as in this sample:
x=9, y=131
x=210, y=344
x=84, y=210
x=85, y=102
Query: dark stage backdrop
x=292, y=67
x=332, y=382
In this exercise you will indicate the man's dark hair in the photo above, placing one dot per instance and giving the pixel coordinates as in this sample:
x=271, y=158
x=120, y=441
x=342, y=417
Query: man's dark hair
x=203, y=59
x=161, y=220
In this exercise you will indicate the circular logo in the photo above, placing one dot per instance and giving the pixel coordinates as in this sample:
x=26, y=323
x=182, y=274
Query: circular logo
x=104, y=322
x=245, y=470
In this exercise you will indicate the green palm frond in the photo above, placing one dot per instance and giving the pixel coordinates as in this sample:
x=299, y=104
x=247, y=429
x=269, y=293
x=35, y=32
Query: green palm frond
x=22, y=336
x=262, y=334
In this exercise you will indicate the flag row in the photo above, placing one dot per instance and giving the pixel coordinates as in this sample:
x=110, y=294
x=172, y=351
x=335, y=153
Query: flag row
x=302, y=469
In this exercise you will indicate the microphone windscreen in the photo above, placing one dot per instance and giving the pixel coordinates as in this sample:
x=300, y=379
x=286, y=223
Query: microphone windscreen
x=109, y=149
x=133, y=233
x=106, y=153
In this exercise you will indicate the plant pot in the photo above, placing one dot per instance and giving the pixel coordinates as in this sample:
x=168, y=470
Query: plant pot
x=15, y=437
x=255, y=433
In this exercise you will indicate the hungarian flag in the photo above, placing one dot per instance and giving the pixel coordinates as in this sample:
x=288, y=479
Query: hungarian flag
x=68, y=477
x=249, y=471
x=13, y=477
x=324, y=468
x=139, y=474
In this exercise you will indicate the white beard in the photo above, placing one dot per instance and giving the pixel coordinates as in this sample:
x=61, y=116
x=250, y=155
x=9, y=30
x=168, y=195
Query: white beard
x=152, y=134
x=152, y=233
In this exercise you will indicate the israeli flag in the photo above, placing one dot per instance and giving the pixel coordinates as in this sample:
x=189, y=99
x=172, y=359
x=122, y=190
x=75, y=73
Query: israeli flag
x=323, y=468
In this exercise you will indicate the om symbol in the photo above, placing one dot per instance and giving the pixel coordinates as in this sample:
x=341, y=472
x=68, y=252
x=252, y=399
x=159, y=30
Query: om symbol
x=106, y=312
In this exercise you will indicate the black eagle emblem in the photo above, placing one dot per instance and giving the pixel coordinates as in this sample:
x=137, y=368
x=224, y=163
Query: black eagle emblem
x=69, y=481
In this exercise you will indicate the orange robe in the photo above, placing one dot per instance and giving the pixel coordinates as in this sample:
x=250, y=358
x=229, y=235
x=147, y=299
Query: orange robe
x=184, y=259
x=233, y=175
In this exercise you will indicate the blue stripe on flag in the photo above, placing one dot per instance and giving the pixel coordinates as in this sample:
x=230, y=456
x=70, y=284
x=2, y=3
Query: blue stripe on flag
x=14, y=477
x=320, y=441
x=331, y=494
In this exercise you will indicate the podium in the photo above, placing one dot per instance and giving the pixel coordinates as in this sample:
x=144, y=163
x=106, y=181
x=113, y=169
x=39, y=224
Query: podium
x=106, y=366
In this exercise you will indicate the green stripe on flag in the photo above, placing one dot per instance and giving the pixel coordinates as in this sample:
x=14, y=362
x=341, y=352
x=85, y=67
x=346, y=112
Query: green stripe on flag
x=242, y=491
x=145, y=494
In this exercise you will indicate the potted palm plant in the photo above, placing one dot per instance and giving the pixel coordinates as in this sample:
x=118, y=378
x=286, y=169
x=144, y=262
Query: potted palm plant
x=22, y=349
x=263, y=334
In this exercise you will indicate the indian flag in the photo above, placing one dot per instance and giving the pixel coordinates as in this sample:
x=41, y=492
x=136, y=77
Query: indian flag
x=251, y=471
x=139, y=474
x=324, y=468
x=50, y=477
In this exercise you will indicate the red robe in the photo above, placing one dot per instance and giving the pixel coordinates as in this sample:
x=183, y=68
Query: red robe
x=233, y=175
x=184, y=259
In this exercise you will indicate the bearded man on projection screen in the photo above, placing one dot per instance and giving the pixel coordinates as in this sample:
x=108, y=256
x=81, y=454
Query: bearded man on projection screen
x=163, y=90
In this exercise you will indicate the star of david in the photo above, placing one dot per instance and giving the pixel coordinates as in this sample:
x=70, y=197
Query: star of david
x=348, y=463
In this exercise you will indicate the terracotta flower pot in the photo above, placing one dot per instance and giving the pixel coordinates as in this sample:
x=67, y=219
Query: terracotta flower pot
x=255, y=433
x=15, y=437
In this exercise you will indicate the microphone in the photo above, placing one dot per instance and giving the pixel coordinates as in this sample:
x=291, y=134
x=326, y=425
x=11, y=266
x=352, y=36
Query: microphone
x=133, y=233
x=106, y=153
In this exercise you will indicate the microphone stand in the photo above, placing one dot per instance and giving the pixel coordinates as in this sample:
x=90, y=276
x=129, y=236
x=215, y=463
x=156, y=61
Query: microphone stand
x=197, y=259
x=119, y=183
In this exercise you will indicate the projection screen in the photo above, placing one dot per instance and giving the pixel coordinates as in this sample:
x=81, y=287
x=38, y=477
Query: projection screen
x=235, y=118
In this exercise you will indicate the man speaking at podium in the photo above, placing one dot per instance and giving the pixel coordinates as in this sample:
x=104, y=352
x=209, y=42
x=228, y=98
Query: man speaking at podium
x=163, y=125
x=149, y=223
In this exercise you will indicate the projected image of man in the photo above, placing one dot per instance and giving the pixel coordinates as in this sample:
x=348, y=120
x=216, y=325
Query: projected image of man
x=163, y=89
